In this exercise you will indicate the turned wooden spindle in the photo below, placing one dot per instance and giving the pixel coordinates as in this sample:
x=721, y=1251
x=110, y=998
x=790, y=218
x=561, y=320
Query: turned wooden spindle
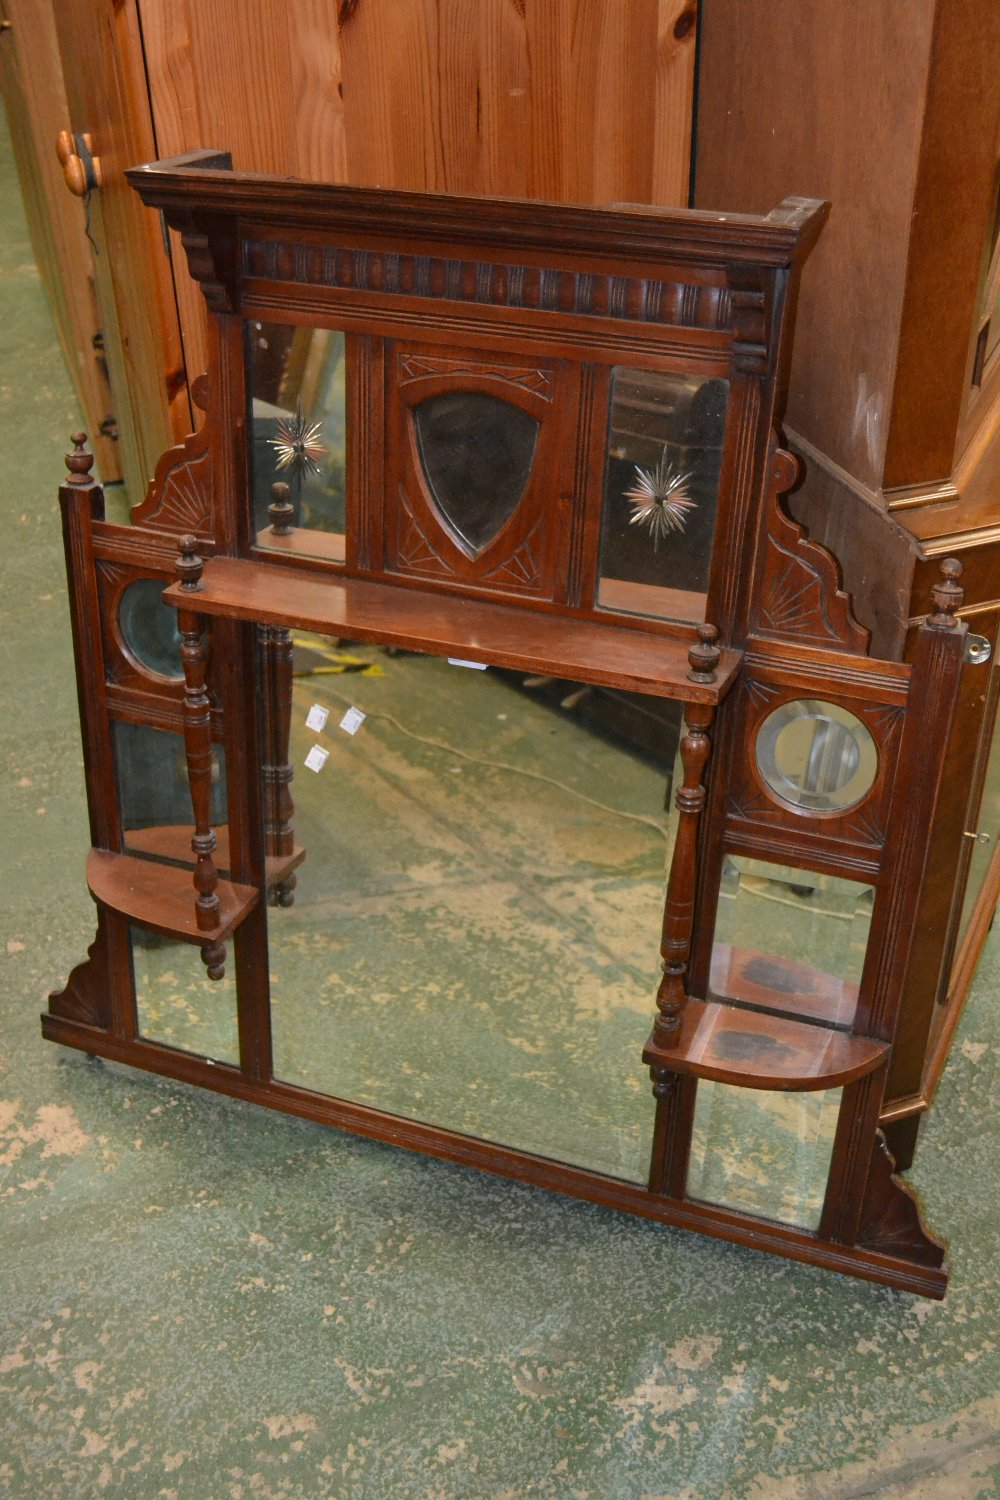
x=198, y=750
x=279, y=809
x=947, y=594
x=80, y=461
x=281, y=510
x=703, y=658
x=678, y=908
x=189, y=565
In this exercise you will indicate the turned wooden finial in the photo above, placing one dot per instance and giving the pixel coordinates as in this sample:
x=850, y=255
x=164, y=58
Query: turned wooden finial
x=704, y=657
x=281, y=510
x=947, y=594
x=79, y=462
x=189, y=564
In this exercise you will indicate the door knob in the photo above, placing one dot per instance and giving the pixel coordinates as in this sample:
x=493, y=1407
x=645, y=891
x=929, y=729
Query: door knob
x=81, y=168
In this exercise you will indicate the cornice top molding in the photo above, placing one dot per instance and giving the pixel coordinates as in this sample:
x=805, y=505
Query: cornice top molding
x=183, y=185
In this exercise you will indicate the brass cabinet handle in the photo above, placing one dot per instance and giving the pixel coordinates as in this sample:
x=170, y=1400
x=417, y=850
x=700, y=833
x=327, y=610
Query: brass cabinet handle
x=81, y=168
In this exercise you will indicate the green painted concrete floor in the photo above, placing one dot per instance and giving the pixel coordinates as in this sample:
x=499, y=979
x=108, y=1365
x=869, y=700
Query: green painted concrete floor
x=205, y=1301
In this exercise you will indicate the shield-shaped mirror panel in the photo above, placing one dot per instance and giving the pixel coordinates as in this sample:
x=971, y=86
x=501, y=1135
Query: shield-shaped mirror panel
x=476, y=452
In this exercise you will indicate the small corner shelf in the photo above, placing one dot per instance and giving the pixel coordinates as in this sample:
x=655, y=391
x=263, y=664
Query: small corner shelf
x=449, y=625
x=755, y=1051
x=161, y=897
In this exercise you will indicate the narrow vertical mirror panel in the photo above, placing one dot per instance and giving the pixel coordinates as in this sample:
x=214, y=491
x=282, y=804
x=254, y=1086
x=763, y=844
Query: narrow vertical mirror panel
x=176, y=1002
x=298, y=418
x=661, y=490
x=763, y=1154
x=790, y=940
x=155, y=796
x=473, y=936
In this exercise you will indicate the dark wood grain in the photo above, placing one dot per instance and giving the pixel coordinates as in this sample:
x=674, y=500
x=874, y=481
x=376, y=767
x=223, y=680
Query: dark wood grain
x=756, y=1051
x=442, y=626
x=159, y=897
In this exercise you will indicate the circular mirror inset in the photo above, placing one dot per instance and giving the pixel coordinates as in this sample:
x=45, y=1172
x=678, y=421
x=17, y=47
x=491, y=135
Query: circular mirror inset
x=816, y=755
x=149, y=627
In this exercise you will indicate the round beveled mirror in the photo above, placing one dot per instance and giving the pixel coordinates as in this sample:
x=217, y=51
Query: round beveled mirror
x=816, y=755
x=149, y=627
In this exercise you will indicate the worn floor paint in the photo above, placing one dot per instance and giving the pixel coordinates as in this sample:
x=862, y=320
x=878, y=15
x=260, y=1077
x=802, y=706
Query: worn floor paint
x=205, y=1301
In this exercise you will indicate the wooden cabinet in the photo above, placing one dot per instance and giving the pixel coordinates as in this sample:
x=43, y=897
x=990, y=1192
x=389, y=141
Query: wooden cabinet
x=892, y=111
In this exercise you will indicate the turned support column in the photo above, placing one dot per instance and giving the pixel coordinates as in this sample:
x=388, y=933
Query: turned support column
x=678, y=909
x=279, y=809
x=198, y=749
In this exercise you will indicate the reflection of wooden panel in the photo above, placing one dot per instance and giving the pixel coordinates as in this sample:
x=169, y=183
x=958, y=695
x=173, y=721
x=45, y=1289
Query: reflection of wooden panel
x=171, y=842
x=35, y=99
x=650, y=601
x=782, y=985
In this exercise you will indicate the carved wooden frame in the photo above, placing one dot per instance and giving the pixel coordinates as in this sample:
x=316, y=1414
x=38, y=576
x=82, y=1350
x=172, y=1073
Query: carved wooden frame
x=581, y=290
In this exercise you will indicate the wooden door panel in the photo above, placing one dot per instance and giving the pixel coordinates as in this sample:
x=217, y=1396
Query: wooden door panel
x=35, y=98
x=101, y=49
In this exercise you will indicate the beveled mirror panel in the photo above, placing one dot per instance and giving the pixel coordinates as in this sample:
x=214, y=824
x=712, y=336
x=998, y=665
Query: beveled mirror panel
x=476, y=453
x=297, y=386
x=790, y=940
x=816, y=755
x=766, y=1154
x=155, y=796
x=177, y=1004
x=661, y=487
x=473, y=937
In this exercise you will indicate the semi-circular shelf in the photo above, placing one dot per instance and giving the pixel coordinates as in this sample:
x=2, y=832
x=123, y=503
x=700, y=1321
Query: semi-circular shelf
x=162, y=898
x=755, y=1051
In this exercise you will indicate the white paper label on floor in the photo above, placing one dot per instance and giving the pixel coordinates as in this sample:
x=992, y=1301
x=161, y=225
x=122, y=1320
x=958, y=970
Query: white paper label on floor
x=477, y=666
x=352, y=720
x=316, y=717
x=317, y=758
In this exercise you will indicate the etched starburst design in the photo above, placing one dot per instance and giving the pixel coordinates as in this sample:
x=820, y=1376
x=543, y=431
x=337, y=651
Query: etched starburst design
x=660, y=499
x=297, y=444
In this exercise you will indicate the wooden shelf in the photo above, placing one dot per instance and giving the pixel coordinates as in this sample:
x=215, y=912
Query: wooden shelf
x=448, y=625
x=755, y=1051
x=161, y=897
x=172, y=841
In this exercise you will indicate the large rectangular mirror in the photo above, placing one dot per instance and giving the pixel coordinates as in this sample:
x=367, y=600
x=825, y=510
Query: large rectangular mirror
x=474, y=931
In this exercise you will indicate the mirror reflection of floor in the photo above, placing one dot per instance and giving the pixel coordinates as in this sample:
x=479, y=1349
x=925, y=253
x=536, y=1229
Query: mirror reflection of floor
x=472, y=946
x=473, y=942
